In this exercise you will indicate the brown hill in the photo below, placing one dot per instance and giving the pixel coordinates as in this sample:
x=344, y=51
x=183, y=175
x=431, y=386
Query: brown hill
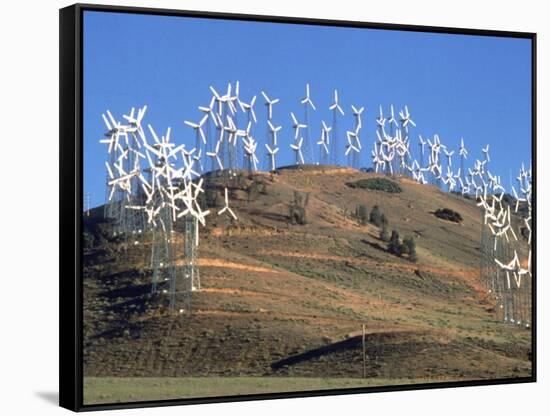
x=285, y=299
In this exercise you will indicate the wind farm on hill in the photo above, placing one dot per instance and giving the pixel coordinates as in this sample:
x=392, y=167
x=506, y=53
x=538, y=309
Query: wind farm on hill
x=209, y=259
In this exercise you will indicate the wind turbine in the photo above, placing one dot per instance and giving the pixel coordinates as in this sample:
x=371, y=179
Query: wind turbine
x=350, y=147
x=353, y=144
x=391, y=121
x=272, y=131
x=212, y=118
x=216, y=155
x=272, y=152
x=377, y=160
x=463, y=155
x=323, y=148
x=381, y=121
x=485, y=151
x=421, y=143
x=306, y=101
x=449, y=156
x=335, y=108
x=226, y=207
x=296, y=126
x=297, y=148
x=269, y=103
x=406, y=119
x=358, y=125
x=199, y=133
x=249, y=109
x=324, y=142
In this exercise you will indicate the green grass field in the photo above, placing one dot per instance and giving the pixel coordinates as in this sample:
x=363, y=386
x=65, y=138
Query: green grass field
x=99, y=390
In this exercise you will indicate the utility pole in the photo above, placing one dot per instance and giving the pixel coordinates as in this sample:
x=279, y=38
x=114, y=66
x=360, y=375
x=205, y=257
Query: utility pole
x=364, y=355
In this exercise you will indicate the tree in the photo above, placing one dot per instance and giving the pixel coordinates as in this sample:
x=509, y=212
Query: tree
x=409, y=248
x=297, y=208
x=384, y=234
x=394, y=245
x=384, y=220
x=213, y=198
x=361, y=214
x=256, y=188
x=375, y=216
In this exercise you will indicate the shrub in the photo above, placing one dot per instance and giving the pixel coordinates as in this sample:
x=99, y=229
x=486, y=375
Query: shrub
x=377, y=184
x=240, y=180
x=88, y=239
x=375, y=216
x=213, y=198
x=297, y=208
x=409, y=248
x=448, y=214
x=361, y=214
x=256, y=188
x=384, y=220
x=384, y=234
x=394, y=245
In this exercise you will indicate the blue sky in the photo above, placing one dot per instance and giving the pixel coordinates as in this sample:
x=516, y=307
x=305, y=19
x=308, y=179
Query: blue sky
x=456, y=86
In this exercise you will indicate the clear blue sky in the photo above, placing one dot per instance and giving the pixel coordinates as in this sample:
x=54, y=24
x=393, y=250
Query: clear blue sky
x=457, y=86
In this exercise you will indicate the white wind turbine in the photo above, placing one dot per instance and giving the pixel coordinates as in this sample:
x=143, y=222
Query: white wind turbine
x=323, y=146
x=273, y=130
x=335, y=108
x=272, y=152
x=463, y=155
x=449, y=156
x=212, y=118
x=406, y=119
x=269, y=103
x=391, y=121
x=307, y=99
x=354, y=144
x=296, y=126
x=248, y=108
x=377, y=160
x=297, y=148
x=306, y=102
x=198, y=127
x=449, y=179
x=250, y=145
x=226, y=207
x=381, y=120
x=219, y=99
x=485, y=151
x=421, y=143
x=135, y=122
x=357, y=114
x=215, y=155
x=114, y=131
x=228, y=99
x=350, y=146
x=271, y=137
x=324, y=142
x=235, y=98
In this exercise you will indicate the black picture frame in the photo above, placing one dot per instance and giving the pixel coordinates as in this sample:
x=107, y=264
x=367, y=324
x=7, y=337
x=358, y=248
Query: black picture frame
x=71, y=203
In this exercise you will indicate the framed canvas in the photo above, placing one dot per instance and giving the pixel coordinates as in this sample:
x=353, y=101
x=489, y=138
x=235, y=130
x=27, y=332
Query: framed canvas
x=257, y=207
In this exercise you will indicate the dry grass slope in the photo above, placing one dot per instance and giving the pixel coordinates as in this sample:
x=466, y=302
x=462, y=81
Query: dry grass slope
x=273, y=290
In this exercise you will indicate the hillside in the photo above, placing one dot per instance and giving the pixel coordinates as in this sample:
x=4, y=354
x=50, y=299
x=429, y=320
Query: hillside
x=281, y=299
